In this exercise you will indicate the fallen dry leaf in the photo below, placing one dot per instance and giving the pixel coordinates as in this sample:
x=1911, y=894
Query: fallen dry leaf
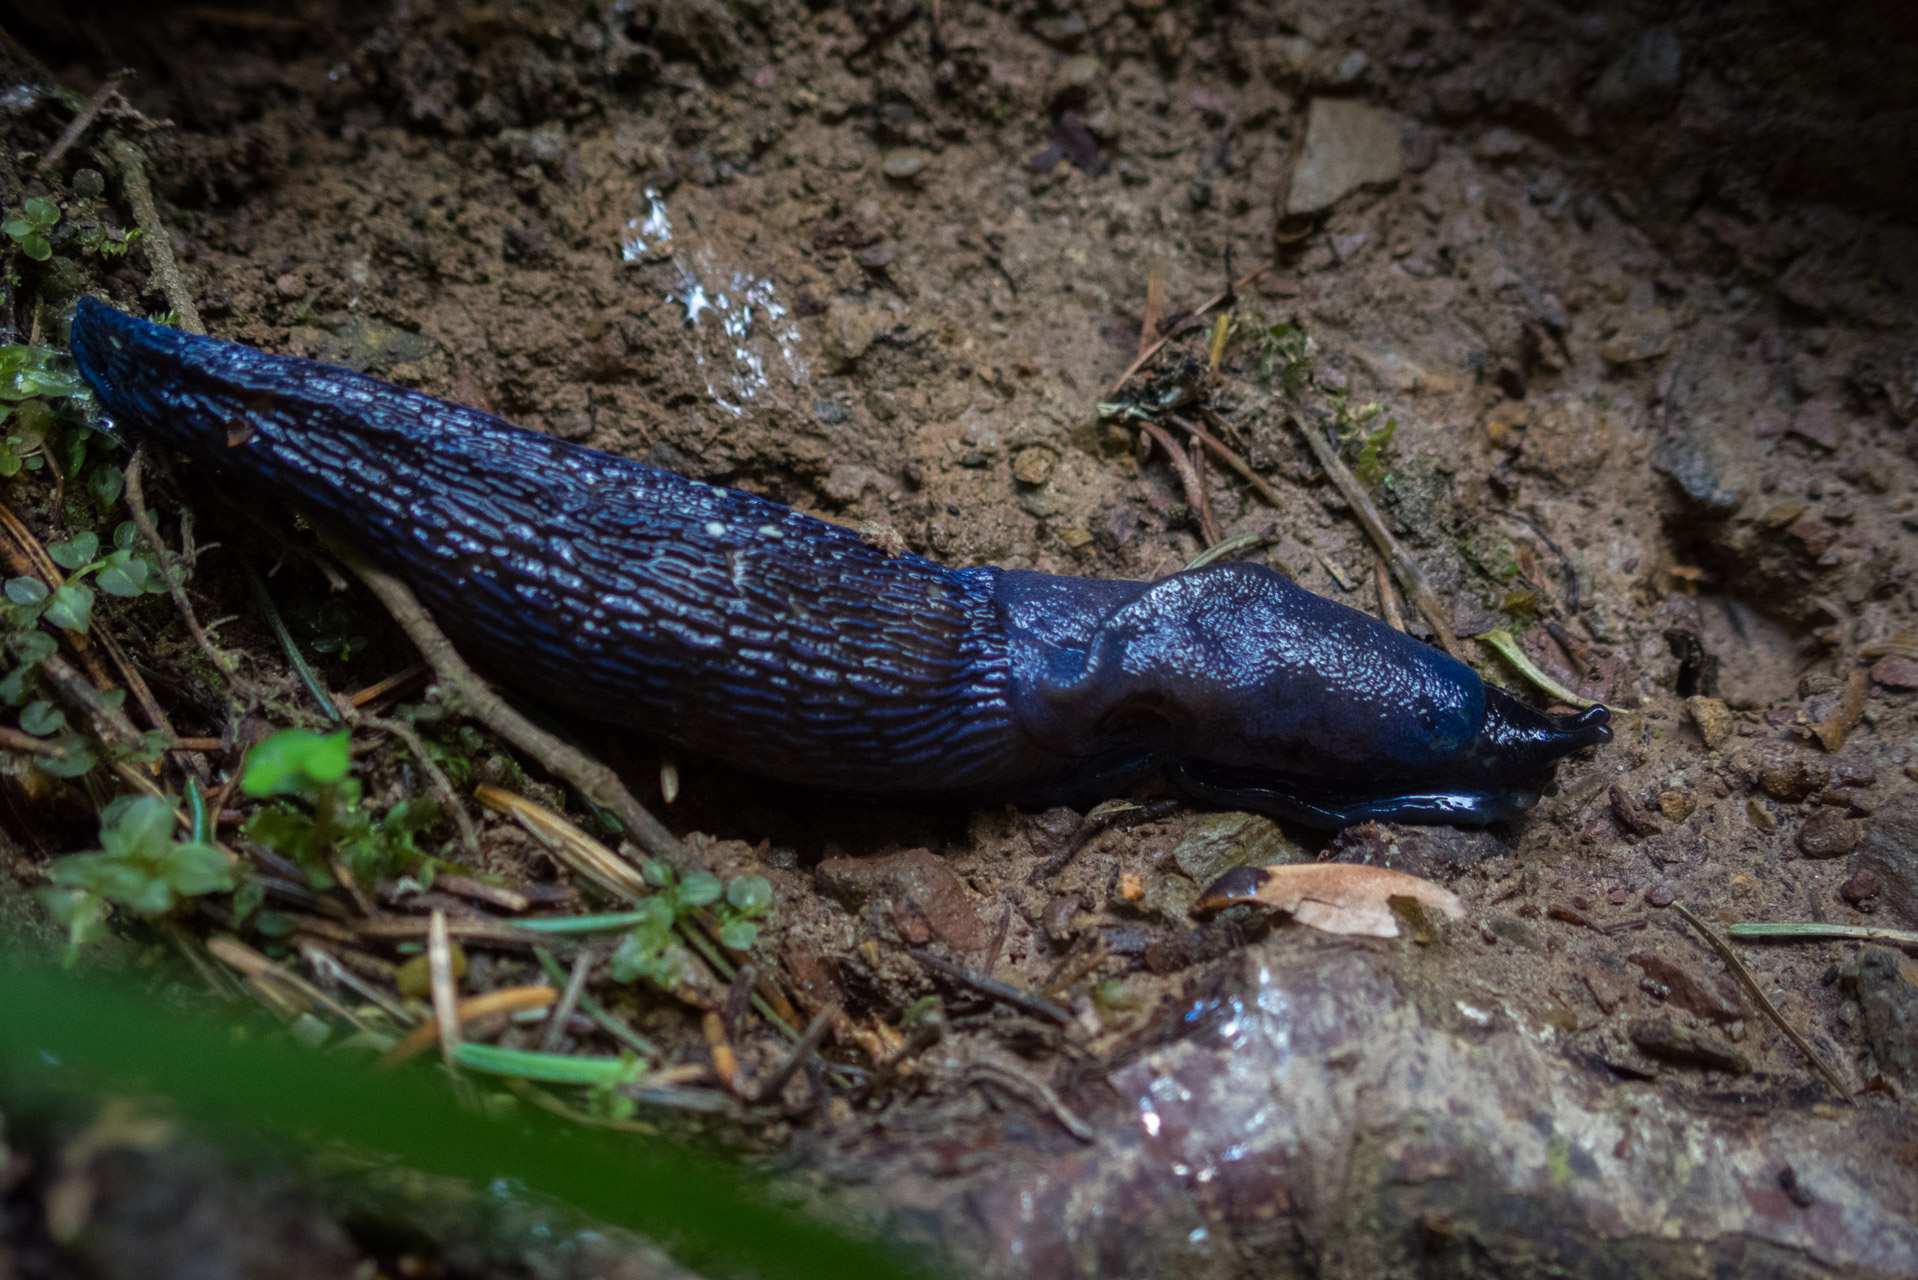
x=1338, y=897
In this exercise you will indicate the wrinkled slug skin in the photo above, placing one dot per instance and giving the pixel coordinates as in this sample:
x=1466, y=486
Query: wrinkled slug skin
x=733, y=626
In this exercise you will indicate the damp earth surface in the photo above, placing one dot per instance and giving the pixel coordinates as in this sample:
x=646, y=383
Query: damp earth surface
x=1637, y=287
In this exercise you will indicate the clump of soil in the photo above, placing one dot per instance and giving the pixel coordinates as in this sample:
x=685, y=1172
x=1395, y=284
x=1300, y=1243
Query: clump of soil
x=1637, y=291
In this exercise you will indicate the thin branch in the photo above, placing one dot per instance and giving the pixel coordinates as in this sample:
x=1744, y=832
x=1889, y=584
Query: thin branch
x=153, y=234
x=435, y=776
x=82, y=122
x=176, y=583
x=594, y=780
x=555, y=1033
x=1404, y=568
x=1230, y=459
x=1388, y=598
x=1039, y=1006
x=1191, y=321
x=1189, y=478
x=1757, y=992
x=808, y=1045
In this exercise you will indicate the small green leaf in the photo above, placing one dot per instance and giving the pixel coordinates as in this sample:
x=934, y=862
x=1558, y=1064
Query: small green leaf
x=17, y=685
x=17, y=227
x=125, y=534
x=738, y=935
x=26, y=590
x=750, y=895
x=32, y=646
x=76, y=551
x=71, y=607
x=292, y=758
x=36, y=247
x=77, y=760
x=41, y=718
x=42, y=212
x=699, y=889
x=119, y=579
x=106, y=484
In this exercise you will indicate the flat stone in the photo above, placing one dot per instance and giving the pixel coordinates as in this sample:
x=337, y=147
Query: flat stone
x=1632, y=815
x=1889, y=850
x=1642, y=335
x=1888, y=996
x=917, y=889
x=902, y=164
x=1827, y=833
x=846, y=482
x=1434, y=853
x=1713, y=718
x=1666, y=1040
x=1645, y=77
x=1034, y=465
x=1348, y=145
x=1789, y=775
x=1818, y=422
x=1214, y=843
x=1895, y=673
x=1712, y=996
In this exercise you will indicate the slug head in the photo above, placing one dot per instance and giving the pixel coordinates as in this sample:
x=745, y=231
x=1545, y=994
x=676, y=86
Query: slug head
x=1282, y=700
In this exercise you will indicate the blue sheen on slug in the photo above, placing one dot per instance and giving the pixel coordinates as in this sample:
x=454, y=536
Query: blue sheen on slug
x=733, y=626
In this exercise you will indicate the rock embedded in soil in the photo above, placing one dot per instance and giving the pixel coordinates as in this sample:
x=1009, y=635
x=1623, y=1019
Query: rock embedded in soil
x=1641, y=335
x=1668, y=1041
x=916, y=889
x=1788, y=774
x=1828, y=833
x=1896, y=673
x=1348, y=145
x=1889, y=851
x=1712, y=996
x=1818, y=422
x=1887, y=987
x=1033, y=465
x=1713, y=718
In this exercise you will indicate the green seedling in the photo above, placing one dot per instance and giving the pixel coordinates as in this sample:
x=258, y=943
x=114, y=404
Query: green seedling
x=316, y=814
x=139, y=868
x=28, y=228
x=652, y=950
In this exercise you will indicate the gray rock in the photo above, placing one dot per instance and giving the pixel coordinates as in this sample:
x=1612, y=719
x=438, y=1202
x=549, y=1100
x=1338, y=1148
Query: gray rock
x=1888, y=995
x=1645, y=76
x=1348, y=145
x=1668, y=1041
x=1889, y=850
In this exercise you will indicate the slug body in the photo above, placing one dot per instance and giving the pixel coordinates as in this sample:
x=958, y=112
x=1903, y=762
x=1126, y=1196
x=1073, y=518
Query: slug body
x=733, y=626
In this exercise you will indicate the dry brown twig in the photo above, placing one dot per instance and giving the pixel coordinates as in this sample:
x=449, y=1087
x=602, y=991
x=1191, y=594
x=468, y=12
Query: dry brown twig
x=435, y=776
x=153, y=235
x=1724, y=952
x=176, y=582
x=1230, y=458
x=1190, y=322
x=592, y=779
x=1404, y=568
x=83, y=121
x=1188, y=477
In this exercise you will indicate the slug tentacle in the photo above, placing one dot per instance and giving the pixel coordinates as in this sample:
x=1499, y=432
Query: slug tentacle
x=734, y=626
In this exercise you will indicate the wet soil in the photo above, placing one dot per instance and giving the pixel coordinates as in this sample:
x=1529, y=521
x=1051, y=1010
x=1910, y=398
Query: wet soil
x=1638, y=292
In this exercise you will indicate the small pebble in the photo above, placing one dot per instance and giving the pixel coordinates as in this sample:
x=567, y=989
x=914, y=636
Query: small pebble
x=902, y=163
x=1659, y=895
x=1033, y=466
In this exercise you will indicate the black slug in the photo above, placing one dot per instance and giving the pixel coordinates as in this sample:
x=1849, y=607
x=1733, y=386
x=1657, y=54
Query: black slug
x=735, y=627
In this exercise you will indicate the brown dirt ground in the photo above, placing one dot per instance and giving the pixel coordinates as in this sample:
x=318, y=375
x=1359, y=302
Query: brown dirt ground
x=1649, y=343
